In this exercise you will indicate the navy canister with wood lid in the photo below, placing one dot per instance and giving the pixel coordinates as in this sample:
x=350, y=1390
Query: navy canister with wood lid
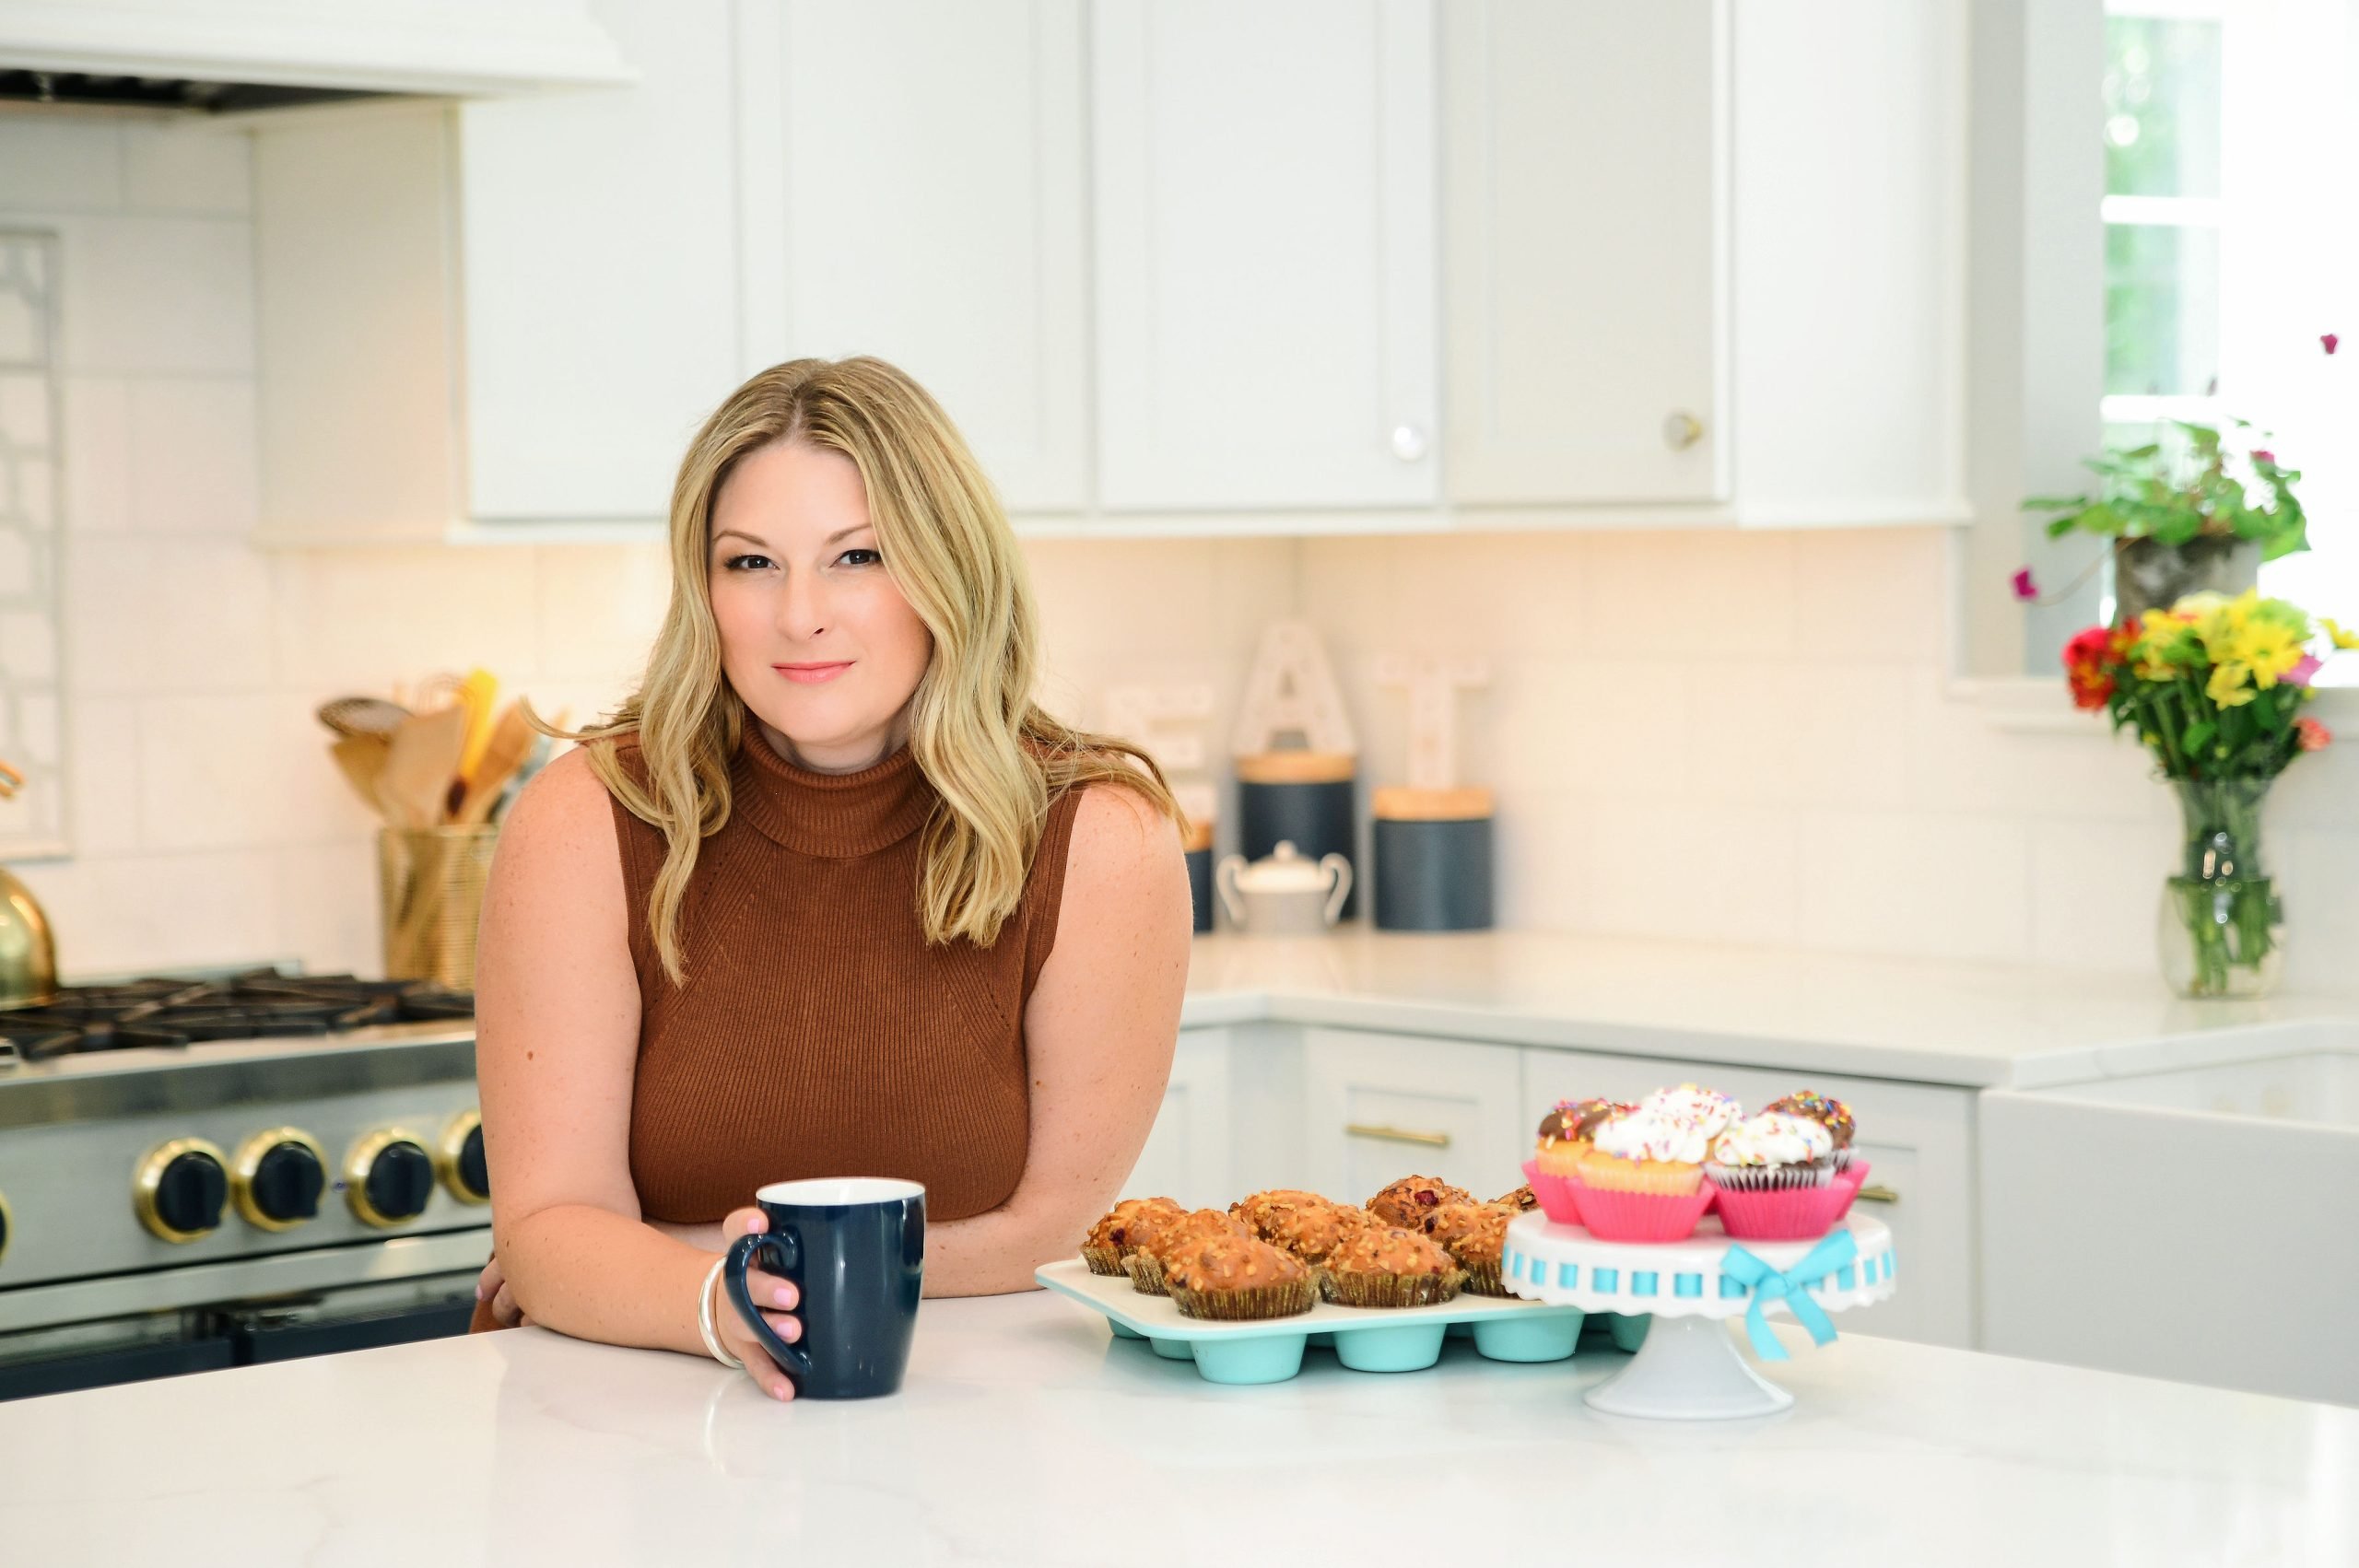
x=1433, y=857
x=1198, y=847
x=1303, y=798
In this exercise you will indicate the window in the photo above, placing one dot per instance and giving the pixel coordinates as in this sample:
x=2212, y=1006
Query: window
x=2229, y=129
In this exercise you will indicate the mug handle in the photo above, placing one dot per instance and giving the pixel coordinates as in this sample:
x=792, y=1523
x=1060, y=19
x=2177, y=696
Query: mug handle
x=1339, y=871
x=791, y=1359
x=1225, y=884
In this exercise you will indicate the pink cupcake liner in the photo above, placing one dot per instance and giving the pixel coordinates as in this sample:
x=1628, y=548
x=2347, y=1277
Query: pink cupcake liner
x=1641, y=1216
x=1794, y=1213
x=1849, y=1181
x=1555, y=1192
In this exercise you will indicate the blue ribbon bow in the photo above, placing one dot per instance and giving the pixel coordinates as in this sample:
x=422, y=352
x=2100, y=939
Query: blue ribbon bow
x=1765, y=1285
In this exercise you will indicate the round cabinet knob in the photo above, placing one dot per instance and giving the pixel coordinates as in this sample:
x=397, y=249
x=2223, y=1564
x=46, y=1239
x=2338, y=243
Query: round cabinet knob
x=466, y=1176
x=1408, y=442
x=180, y=1189
x=279, y=1178
x=1680, y=429
x=389, y=1178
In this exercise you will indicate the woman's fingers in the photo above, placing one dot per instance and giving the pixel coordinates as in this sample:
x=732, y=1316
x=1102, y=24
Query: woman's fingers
x=743, y=1223
x=488, y=1284
x=504, y=1310
x=759, y=1364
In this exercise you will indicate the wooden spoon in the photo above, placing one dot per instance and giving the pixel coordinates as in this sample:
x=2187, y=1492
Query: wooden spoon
x=362, y=758
x=363, y=716
x=416, y=783
x=510, y=743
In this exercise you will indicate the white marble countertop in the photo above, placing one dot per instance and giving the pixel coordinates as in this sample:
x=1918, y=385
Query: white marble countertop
x=1971, y=1025
x=1027, y=1435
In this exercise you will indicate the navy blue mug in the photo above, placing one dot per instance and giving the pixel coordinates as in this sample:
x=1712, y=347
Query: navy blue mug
x=855, y=1248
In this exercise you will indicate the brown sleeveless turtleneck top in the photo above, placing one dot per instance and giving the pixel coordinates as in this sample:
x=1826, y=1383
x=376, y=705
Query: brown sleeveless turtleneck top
x=817, y=1033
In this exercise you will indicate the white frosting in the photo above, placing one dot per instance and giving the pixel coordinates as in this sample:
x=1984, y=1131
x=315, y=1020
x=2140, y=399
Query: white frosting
x=1712, y=1112
x=1651, y=1135
x=1772, y=1138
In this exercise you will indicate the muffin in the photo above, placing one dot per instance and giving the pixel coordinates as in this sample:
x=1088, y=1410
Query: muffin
x=1475, y=1238
x=1522, y=1200
x=1405, y=1202
x=1445, y=1223
x=1771, y=1152
x=1313, y=1234
x=1264, y=1212
x=1709, y=1109
x=1829, y=1112
x=1110, y=1239
x=1389, y=1265
x=1166, y=1236
x=1566, y=1131
x=1237, y=1277
x=1652, y=1151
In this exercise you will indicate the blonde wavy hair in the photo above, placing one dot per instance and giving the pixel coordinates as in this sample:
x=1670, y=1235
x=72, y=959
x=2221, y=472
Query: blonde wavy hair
x=995, y=757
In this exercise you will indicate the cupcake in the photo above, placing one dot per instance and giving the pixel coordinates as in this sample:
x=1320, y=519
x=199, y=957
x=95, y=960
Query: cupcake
x=1313, y=1235
x=1829, y=1112
x=1474, y=1235
x=1166, y=1236
x=1566, y=1131
x=1709, y=1109
x=1264, y=1212
x=1389, y=1265
x=1522, y=1200
x=1405, y=1202
x=1772, y=1151
x=1654, y=1151
x=1237, y=1277
x=1110, y=1240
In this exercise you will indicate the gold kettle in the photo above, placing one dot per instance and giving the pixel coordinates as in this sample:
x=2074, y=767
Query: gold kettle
x=28, y=949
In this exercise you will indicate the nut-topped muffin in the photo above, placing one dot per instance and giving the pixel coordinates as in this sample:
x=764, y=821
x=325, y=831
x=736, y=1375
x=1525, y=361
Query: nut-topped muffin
x=1406, y=1201
x=1522, y=1200
x=1313, y=1234
x=1389, y=1265
x=1237, y=1277
x=1447, y=1221
x=1166, y=1236
x=1113, y=1238
x=1475, y=1234
x=1264, y=1212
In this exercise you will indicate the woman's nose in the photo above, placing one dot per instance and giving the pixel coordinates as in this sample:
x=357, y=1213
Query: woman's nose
x=801, y=606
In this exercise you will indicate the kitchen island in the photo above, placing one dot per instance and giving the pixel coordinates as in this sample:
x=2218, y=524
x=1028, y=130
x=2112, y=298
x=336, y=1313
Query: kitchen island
x=1028, y=1436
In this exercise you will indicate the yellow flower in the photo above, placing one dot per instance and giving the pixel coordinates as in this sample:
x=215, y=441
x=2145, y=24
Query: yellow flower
x=2342, y=639
x=2269, y=647
x=2157, y=633
x=2228, y=687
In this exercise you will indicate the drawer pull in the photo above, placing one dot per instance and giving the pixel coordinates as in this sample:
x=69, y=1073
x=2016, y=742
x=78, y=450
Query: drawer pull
x=1878, y=1193
x=1397, y=1134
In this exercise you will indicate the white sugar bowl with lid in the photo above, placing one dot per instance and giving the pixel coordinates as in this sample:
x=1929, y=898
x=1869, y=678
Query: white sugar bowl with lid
x=1284, y=893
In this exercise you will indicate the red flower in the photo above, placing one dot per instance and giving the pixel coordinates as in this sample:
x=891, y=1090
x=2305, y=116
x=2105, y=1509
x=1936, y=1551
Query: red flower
x=2261, y=454
x=2091, y=660
x=2312, y=735
x=2327, y=340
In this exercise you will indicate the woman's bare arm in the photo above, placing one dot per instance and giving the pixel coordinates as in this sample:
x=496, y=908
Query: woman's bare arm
x=1099, y=1035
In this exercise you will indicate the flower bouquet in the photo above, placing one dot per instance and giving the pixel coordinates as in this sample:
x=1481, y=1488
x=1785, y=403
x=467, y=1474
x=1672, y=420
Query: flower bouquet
x=2214, y=687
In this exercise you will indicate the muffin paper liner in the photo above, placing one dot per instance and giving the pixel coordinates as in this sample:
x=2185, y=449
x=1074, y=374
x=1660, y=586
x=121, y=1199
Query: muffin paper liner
x=1483, y=1280
x=1256, y=1302
x=1390, y=1289
x=1843, y=1159
x=1770, y=1179
x=1793, y=1213
x=1145, y=1271
x=1103, y=1259
x=1642, y=1216
x=1555, y=1192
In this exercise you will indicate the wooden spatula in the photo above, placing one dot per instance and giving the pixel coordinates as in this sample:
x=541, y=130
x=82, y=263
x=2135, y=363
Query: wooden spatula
x=503, y=754
x=416, y=783
x=362, y=758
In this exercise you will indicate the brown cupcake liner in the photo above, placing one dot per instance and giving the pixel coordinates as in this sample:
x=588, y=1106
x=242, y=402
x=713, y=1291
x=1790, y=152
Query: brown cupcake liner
x=1145, y=1271
x=1258, y=1302
x=1483, y=1280
x=1103, y=1259
x=1390, y=1289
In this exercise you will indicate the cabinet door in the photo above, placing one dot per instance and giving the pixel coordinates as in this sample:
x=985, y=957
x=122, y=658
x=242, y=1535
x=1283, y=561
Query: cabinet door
x=1263, y=201
x=1584, y=298
x=1919, y=1139
x=1382, y=1107
x=598, y=252
x=914, y=189
x=1187, y=1155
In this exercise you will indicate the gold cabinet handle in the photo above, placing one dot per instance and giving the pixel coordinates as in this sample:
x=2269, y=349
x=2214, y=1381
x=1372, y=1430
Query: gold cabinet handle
x=1879, y=1193
x=1397, y=1134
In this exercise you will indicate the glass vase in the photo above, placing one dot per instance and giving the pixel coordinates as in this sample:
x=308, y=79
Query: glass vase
x=2221, y=926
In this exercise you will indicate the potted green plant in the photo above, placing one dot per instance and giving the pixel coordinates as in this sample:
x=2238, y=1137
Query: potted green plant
x=2186, y=515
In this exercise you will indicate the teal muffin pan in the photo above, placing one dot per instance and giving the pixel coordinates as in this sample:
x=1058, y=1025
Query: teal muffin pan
x=1366, y=1339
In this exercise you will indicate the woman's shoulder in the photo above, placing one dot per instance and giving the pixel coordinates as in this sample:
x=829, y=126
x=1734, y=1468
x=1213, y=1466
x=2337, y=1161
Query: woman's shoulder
x=564, y=799
x=1118, y=833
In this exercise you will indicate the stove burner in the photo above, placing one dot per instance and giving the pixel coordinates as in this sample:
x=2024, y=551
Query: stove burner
x=169, y=1013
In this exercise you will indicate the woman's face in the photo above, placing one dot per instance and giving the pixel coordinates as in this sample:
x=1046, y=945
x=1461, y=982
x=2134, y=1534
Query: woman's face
x=814, y=634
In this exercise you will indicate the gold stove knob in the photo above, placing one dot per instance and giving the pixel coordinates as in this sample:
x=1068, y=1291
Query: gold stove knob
x=179, y=1188
x=389, y=1177
x=460, y=1159
x=279, y=1178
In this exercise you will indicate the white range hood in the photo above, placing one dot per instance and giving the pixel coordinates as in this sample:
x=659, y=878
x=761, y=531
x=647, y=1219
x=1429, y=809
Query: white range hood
x=248, y=53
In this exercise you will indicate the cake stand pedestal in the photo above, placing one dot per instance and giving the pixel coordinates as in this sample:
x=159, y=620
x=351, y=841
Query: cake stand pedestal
x=1689, y=1368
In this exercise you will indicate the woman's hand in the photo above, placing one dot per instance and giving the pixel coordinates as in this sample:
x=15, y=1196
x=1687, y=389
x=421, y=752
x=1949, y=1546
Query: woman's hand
x=775, y=1297
x=492, y=1285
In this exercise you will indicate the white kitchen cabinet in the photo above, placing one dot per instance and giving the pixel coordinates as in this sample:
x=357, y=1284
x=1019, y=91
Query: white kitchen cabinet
x=1584, y=165
x=1263, y=202
x=1377, y=1107
x=914, y=189
x=1187, y=1153
x=1919, y=1139
x=599, y=274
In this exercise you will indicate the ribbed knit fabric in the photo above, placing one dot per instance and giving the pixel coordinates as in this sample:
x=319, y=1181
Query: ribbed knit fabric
x=817, y=1033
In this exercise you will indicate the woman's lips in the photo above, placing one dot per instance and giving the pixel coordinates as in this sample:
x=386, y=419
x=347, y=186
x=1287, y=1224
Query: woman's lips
x=813, y=675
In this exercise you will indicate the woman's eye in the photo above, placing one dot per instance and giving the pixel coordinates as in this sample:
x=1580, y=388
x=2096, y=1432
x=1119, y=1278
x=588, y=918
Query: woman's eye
x=860, y=558
x=745, y=563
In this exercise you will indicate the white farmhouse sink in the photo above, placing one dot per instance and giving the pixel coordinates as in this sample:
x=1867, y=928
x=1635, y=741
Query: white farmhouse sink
x=2199, y=1221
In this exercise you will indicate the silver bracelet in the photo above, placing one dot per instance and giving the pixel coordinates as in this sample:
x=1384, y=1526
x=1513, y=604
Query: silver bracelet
x=704, y=1316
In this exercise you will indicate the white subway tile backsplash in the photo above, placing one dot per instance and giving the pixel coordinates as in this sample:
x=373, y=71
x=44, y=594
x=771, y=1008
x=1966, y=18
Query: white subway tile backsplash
x=193, y=463
x=184, y=166
x=2317, y=870
x=244, y=770
x=1801, y=734
x=2095, y=887
x=1917, y=882
x=50, y=160
x=131, y=913
x=1630, y=868
x=600, y=607
x=1871, y=594
x=360, y=619
x=157, y=295
x=102, y=773
x=96, y=451
x=327, y=906
x=1690, y=595
x=158, y=614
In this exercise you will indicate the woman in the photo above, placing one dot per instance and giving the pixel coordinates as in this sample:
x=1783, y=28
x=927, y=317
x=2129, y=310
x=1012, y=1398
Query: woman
x=828, y=897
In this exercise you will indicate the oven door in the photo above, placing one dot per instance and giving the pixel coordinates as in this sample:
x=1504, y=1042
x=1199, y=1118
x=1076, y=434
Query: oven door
x=361, y=1319
x=97, y=1355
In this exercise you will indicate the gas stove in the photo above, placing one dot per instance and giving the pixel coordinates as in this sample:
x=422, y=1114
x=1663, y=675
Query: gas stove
x=199, y=1172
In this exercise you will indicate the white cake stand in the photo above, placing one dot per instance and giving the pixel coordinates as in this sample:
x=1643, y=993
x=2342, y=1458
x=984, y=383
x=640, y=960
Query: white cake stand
x=1689, y=1368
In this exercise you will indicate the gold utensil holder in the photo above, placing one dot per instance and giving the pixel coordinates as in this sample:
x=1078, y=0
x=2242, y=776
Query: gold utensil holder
x=28, y=949
x=430, y=882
